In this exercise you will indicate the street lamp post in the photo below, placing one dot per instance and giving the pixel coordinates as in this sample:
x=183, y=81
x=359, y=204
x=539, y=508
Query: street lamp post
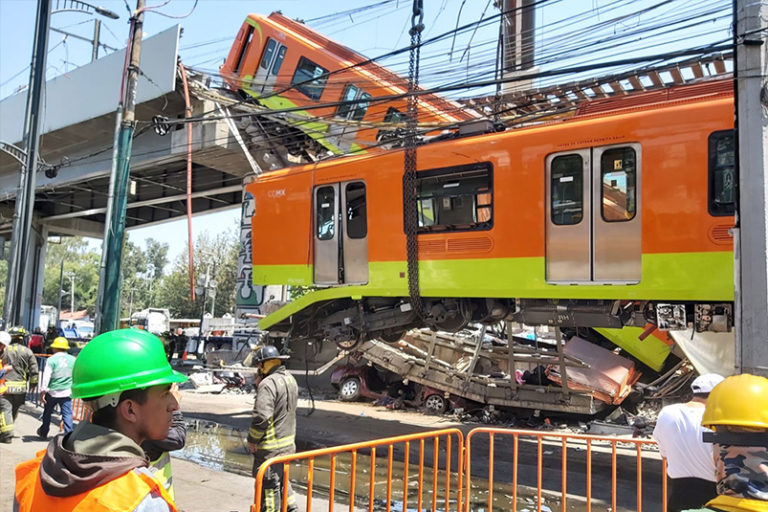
x=16, y=284
x=71, y=276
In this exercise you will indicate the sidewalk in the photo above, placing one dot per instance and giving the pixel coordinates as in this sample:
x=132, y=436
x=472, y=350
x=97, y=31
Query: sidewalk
x=198, y=489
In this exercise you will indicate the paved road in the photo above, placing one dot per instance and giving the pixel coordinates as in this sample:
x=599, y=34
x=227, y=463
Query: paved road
x=333, y=423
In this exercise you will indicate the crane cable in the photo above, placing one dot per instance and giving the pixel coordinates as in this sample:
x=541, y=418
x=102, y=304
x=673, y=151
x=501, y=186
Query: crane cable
x=409, y=174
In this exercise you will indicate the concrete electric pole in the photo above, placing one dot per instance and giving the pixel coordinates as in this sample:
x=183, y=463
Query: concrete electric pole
x=751, y=263
x=108, y=302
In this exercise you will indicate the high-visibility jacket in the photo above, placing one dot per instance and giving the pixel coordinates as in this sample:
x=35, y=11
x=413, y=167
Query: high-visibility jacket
x=24, y=368
x=161, y=468
x=123, y=494
x=273, y=427
x=731, y=504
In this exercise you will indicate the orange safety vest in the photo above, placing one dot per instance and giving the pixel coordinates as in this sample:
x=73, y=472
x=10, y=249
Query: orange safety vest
x=123, y=494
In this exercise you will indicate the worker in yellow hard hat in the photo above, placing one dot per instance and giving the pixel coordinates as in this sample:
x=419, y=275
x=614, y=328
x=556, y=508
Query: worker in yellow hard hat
x=737, y=414
x=56, y=386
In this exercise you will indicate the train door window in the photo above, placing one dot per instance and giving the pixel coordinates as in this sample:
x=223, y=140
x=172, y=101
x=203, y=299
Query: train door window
x=722, y=176
x=309, y=78
x=567, y=190
x=354, y=103
x=278, y=60
x=357, y=218
x=244, y=48
x=618, y=171
x=325, y=213
x=455, y=199
x=269, y=51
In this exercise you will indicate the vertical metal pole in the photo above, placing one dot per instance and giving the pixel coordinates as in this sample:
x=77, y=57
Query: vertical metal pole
x=72, y=293
x=96, y=35
x=61, y=285
x=108, y=304
x=25, y=196
x=751, y=264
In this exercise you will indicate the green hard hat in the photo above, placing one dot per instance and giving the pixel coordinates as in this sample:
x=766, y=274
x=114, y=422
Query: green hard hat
x=120, y=360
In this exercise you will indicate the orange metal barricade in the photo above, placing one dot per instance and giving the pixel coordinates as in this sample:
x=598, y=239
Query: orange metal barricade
x=446, y=483
x=499, y=478
x=617, y=453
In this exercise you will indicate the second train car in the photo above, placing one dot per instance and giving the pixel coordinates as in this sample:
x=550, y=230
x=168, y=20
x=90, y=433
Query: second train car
x=339, y=98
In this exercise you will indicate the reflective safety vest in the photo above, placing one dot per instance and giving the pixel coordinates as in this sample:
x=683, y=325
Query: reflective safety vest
x=161, y=468
x=731, y=504
x=123, y=494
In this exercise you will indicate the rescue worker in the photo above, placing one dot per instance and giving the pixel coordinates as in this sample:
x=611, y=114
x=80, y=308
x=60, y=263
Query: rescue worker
x=158, y=451
x=23, y=373
x=273, y=428
x=678, y=431
x=125, y=379
x=737, y=413
x=56, y=387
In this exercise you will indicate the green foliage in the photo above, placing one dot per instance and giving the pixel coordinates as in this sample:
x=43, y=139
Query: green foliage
x=145, y=282
x=215, y=256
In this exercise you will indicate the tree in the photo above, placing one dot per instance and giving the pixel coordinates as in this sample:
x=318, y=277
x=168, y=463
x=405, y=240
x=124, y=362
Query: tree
x=217, y=255
x=79, y=259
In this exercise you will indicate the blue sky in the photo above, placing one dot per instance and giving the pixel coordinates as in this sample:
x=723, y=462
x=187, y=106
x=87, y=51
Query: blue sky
x=211, y=26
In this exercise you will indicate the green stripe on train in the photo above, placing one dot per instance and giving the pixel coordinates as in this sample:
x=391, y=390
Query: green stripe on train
x=672, y=277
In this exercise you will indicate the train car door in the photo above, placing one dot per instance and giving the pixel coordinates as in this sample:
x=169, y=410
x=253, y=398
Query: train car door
x=354, y=104
x=269, y=66
x=593, y=226
x=341, y=233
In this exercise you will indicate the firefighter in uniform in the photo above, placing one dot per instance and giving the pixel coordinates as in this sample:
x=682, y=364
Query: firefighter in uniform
x=737, y=414
x=24, y=371
x=273, y=428
x=125, y=379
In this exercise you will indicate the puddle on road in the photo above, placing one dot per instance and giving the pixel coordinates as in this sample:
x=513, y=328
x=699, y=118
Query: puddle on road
x=225, y=448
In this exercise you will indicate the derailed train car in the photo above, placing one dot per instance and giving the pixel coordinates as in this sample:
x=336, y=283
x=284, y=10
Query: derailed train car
x=323, y=90
x=619, y=216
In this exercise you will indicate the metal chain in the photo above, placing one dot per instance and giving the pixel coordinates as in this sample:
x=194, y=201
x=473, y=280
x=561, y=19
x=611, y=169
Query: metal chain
x=409, y=174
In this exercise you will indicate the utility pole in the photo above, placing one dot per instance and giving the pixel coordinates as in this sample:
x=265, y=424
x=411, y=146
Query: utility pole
x=108, y=302
x=71, y=276
x=751, y=233
x=61, y=294
x=25, y=195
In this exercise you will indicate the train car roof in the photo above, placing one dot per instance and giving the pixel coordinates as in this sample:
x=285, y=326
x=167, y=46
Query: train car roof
x=706, y=91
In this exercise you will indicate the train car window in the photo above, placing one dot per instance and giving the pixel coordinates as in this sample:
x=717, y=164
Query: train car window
x=357, y=217
x=269, y=50
x=278, y=60
x=567, y=186
x=350, y=95
x=722, y=177
x=618, y=171
x=455, y=199
x=391, y=134
x=325, y=213
x=244, y=49
x=309, y=78
x=354, y=103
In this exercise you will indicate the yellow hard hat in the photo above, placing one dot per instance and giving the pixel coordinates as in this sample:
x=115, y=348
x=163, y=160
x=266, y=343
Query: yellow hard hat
x=740, y=400
x=61, y=343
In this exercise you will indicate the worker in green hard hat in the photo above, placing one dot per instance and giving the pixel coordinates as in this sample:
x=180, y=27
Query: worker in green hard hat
x=125, y=379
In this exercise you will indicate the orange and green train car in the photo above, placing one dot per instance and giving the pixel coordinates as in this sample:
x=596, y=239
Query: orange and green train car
x=618, y=216
x=329, y=92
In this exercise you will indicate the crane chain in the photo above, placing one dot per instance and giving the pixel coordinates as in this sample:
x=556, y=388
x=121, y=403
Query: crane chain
x=409, y=174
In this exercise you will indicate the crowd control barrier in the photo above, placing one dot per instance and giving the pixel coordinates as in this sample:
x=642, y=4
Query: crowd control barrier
x=435, y=458
x=518, y=470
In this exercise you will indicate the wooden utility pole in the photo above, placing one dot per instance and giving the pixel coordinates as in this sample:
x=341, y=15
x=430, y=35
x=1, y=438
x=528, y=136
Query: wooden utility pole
x=751, y=263
x=110, y=284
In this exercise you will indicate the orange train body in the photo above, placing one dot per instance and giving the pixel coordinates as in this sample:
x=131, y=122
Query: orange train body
x=617, y=216
x=332, y=93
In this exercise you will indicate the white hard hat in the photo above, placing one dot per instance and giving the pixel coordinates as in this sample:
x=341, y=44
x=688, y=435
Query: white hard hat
x=706, y=383
x=5, y=338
